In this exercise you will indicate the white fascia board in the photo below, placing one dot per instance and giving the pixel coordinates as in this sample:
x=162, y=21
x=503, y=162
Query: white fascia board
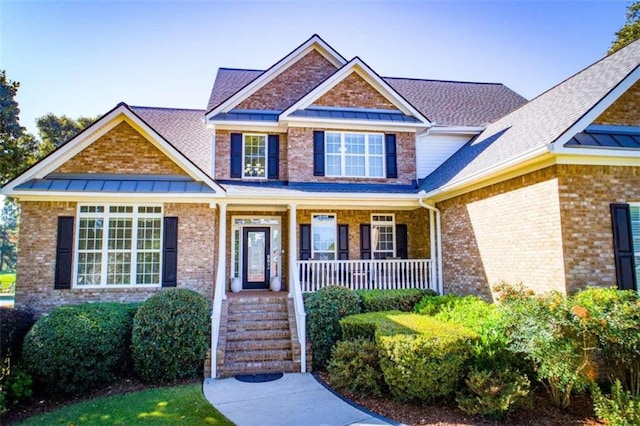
x=104, y=125
x=599, y=157
x=490, y=172
x=358, y=66
x=595, y=111
x=455, y=130
x=366, y=201
x=353, y=124
x=270, y=126
x=314, y=42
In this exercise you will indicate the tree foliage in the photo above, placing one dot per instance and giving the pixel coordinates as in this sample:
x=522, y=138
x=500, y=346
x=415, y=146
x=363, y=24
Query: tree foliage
x=18, y=149
x=56, y=130
x=9, y=224
x=630, y=31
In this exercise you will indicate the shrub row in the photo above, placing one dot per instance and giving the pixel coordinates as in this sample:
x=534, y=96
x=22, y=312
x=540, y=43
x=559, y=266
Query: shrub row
x=392, y=300
x=76, y=348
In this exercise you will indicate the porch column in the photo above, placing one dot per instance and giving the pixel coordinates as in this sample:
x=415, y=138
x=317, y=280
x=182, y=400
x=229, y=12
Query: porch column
x=222, y=251
x=293, y=243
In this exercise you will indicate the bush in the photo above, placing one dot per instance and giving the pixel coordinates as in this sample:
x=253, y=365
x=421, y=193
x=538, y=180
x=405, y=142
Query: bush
x=427, y=361
x=431, y=305
x=612, y=317
x=354, y=367
x=16, y=385
x=493, y=393
x=365, y=326
x=324, y=310
x=546, y=331
x=15, y=324
x=620, y=409
x=392, y=300
x=76, y=348
x=171, y=335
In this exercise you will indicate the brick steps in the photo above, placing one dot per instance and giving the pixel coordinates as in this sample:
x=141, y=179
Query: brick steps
x=257, y=335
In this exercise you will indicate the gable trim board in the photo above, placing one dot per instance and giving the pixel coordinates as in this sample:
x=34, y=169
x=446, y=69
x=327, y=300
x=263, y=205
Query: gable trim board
x=358, y=66
x=313, y=43
x=120, y=113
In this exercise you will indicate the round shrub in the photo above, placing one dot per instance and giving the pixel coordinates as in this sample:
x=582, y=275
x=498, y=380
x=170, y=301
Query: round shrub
x=15, y=324
x=171, y=335
x=324, y=309
x=76, y=348
x=354, y=367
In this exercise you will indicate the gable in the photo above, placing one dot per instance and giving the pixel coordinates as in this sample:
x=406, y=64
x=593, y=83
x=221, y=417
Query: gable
x=625, y=111
x=354, y=92
x=121, y=150
x=291, y=84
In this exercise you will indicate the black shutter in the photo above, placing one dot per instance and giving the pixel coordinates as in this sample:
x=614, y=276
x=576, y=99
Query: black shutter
x=236, y=155
x=305, y=242
x=390, y=151
x=170, y=253
x=274, y=157
x=343, y=242
x=623, y=247
x=318, y=153
x=365, y=241
x=402, y=247
x=64, y=255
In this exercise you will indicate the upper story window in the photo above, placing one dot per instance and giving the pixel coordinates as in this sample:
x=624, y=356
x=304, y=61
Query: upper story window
x=118, y=245
x=323, y=236
x=254, y=155
x=383, y=236
x=354, y=154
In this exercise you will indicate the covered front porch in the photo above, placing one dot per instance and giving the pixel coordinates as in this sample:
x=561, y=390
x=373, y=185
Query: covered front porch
x=301, y=247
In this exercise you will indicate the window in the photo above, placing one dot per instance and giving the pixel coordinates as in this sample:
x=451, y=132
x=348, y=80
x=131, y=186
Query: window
x=634, y=212
x=254, y=156
x=323, y=236
x=354, y=154
x=118, y=245
x=382, y=236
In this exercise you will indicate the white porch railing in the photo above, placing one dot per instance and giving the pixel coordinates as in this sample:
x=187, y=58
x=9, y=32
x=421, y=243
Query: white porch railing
x=366, y=274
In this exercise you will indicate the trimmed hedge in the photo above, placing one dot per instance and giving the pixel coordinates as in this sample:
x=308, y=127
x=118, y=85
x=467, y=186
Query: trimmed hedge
x=354, y=367
x=76, y=348
x=15, y=324
x=324, y=310
x=422, y=358
x=171, y=335
x=392, y=300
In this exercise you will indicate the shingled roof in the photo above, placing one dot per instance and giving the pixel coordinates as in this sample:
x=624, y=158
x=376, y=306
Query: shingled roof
x=448, y=103
x=539, y=123
x=184, y=129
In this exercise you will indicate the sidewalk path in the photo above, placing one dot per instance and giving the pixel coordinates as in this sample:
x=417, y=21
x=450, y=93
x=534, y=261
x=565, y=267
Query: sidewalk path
x=295, y=399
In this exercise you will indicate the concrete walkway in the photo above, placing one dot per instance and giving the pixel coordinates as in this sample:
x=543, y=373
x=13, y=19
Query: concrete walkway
x=295, y=399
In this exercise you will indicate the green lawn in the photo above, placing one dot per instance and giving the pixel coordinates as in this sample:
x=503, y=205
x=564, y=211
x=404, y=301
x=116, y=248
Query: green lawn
x=6, y=280
x=163, y=406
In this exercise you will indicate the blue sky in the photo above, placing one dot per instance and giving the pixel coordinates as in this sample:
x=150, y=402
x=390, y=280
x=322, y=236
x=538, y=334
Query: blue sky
x=83, y=57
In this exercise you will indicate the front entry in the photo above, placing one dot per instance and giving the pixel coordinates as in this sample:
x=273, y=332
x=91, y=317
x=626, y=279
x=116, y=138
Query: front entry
x=255, y=258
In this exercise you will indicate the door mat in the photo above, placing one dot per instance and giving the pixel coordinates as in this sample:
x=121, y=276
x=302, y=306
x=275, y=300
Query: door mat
x=258, y=378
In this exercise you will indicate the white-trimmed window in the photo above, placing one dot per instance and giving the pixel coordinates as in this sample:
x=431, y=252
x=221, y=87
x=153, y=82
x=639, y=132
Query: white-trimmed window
x=354, y=154
x=254, y=156
x=634, y=213
x=323, y=236
x=118, y=245
x=383, y=236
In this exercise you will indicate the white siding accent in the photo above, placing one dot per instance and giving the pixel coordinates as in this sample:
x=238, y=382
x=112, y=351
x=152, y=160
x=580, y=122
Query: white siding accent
x=433, y=150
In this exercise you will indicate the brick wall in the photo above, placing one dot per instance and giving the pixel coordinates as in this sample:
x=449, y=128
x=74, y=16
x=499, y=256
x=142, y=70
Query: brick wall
x=354, y=92
x=509, y=231
x=121, y=150
x=300, y=159
x=223, y=153
x=37, y=250
x=417, y=222
x=291, y=84
x=585, y=195
x=623, y=111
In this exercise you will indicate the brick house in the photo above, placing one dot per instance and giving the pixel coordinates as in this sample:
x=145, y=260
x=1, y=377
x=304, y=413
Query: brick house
x=319, y=171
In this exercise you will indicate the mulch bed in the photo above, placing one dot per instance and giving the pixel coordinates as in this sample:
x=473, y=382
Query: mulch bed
x=541, y=412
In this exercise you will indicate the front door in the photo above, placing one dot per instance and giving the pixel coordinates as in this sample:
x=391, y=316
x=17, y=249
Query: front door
x=255, y=258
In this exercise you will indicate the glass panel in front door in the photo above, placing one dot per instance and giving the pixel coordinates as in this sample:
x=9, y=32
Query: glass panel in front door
x=256, y=264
